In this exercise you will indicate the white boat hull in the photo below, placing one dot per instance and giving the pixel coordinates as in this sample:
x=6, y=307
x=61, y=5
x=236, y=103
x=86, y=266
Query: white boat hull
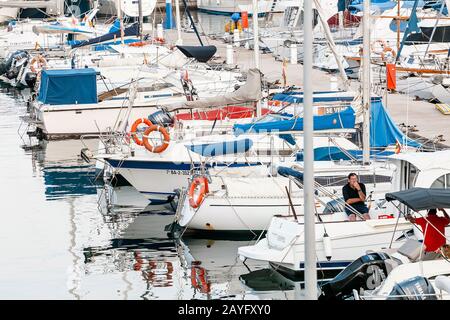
x=284, y=243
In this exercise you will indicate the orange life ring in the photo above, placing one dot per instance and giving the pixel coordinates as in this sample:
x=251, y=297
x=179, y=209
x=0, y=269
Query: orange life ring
x=134, y=129
x=386, y=50
x=160, y=148
x=39, y=62
x=199, y=272
x=382, y=45
x=203, y=183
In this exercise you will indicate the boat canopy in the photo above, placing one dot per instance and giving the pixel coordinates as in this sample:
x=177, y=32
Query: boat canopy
x=199, y=53
x=422, y=198
x=68, y=86
x=132, y=30
x=221, y=148
x=438, y=160
x=340, y=120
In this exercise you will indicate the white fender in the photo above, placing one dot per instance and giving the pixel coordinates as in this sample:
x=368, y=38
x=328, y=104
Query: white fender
x=327, y=246
x=442, y=283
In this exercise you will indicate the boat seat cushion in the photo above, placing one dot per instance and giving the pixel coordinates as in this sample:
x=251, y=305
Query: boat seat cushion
x=411, y=249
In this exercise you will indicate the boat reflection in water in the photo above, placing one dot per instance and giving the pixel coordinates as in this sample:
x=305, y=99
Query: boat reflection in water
x=65, y=173
x=155, y=266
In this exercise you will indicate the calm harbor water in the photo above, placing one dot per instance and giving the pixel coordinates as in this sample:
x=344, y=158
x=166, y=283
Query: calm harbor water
x=61, y=239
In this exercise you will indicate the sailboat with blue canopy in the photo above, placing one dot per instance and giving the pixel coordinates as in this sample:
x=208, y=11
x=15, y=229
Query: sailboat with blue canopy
x=383, y=131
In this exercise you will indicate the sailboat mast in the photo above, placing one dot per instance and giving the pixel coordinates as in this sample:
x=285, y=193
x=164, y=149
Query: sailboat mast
x=308, y=179
x=398, y=25
x=178, y=22
x=141, y=20
x=256, y=46
x=366, y=83
x=119, y=16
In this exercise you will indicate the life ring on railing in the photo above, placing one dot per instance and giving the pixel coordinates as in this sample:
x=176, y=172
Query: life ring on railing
x=159, y=40
x=382, y=45
x=134, y=129
x=161, y=147
x=38, y=62
x=198, y=279
x=204, y=189
x=388, y=50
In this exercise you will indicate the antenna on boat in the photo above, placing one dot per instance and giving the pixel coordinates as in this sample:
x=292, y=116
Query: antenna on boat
x=366, y=83
x=308, y=173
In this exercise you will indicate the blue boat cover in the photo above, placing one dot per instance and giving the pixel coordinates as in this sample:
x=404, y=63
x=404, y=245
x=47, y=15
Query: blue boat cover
x=383, y=130
x=289, y=172
x=221, y=148
x=68, y=86
x=339, y=120
x=334, y=153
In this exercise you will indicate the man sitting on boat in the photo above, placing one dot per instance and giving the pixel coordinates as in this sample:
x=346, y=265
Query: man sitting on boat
x=433, y=228
x=354, y=193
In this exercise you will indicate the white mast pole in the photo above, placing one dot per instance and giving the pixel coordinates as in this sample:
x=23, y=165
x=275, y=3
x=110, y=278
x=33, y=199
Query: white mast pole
x=119, y=16
x=308, y=179
x=178, y=21
x=256, y=45
x=366, y=83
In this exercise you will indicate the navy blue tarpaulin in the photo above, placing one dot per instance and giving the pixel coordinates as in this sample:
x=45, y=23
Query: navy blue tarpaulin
x=200, y=53
x=132, y=30
x=68, y=86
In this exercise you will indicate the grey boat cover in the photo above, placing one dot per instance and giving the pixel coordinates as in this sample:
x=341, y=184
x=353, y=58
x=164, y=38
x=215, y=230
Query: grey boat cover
x=422, y=198
x=200, y=53
x=250, y=91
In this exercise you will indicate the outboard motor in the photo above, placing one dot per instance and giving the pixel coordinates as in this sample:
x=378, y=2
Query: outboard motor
x=417, y=288
x=14, y=63
x=30, y=79
x=366, y=272
x=161, y=118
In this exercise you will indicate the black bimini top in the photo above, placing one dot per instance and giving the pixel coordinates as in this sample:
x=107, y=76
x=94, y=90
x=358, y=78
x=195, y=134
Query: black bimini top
x=422, y=198
x=200, y=53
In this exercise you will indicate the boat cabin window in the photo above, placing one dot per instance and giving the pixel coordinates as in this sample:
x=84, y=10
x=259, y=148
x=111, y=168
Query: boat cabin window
x=409, y=175
x=442, y=182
